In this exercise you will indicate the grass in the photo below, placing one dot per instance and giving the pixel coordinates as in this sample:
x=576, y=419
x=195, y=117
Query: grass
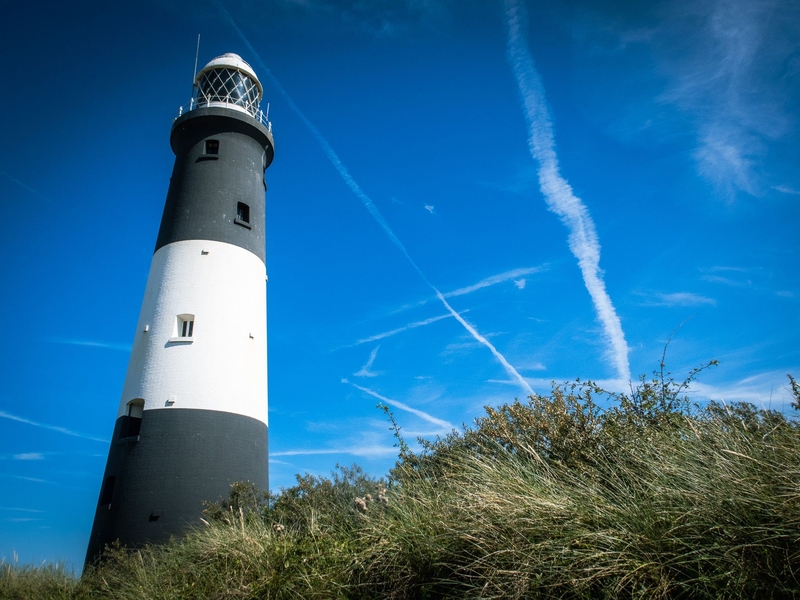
x=552, y=497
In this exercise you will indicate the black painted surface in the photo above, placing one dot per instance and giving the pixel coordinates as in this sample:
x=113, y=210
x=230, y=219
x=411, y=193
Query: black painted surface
x=180, y=458
x=206, y=188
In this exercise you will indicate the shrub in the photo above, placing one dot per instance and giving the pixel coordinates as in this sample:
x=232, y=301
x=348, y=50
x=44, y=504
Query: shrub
x=551, y=497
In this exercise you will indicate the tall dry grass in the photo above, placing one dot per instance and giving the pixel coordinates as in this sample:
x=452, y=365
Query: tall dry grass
x=553, y=497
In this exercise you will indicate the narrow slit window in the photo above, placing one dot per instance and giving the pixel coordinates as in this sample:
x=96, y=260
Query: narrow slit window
x=212, y=146
x=242, y=212
x=108, y=490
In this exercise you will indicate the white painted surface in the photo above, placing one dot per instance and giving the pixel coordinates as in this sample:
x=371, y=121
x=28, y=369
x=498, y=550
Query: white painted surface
x=232, y=61
x=223, y=368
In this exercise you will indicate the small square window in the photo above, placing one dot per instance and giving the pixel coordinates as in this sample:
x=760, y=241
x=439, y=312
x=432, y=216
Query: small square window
x=212, y=147
x=184, y=328
x=242, y=212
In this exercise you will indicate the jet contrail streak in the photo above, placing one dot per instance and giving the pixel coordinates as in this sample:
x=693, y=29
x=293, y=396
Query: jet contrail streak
x=445, y=426
x=583, y=240
x=59, y=429
x=370, y=206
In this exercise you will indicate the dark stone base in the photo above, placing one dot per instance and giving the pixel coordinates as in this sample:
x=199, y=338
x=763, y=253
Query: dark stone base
x=177, y=459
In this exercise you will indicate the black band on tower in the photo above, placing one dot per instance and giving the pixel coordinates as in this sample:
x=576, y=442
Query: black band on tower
x=217, y=187
x=194, y=455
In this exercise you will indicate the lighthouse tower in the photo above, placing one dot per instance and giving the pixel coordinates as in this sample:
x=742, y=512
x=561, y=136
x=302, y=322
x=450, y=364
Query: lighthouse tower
x=193, y=414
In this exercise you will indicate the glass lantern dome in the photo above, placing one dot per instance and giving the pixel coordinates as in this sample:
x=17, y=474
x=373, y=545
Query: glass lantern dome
x=229, y=81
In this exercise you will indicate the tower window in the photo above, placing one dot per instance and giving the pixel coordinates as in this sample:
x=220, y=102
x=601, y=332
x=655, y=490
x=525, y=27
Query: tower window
x=212, y=147
x=132, y=423
x=136, y=408
x=242, y=212
x=187, y=328
x=184, y=327
x=108, y=490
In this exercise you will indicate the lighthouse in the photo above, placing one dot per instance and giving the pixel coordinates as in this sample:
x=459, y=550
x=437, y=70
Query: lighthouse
x=193, y=414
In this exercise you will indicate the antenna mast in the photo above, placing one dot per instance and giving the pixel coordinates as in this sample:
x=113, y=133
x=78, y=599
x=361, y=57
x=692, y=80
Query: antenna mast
x=196, y=54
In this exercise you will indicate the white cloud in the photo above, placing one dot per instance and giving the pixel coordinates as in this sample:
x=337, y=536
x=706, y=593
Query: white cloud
x=533, y=366
x=520, y=283
x=27, y=188
x=483, y=283
x=365, y=370
x=727, y=280
x=385, y=334
x=786, y=189
x=495, y=279
x=729, y=73
x=380, y=18
x=64, y=430
x=443, y=426
x=768, y=390
x=430, y=208
x=561, y=200
x=356, y=450
x=29, y=456
x=91, y=343
x=370, y=205
x=679, y=299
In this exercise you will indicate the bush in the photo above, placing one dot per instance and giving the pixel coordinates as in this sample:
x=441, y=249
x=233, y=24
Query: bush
x=552, y=497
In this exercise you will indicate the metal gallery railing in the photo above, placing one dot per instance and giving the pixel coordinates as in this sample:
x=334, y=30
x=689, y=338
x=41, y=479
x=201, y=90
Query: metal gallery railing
x=259, y=115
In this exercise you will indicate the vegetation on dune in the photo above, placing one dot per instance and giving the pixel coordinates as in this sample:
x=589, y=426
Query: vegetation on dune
x=552, y=497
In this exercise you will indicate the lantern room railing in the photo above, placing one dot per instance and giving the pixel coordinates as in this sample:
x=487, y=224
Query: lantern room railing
x=260, y=116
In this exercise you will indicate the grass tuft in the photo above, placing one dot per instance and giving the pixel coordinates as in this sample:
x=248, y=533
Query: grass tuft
x=551, y=497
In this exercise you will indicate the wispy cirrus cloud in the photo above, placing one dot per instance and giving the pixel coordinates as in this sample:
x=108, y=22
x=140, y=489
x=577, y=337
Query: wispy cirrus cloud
x=90, y=343
x=730, y=67
x=678, y=299
x=46, y=481
x=414, y=325
x=558, y=194
x=768, y=389
x=365, y=370
x=484, y=283
x=720, y=74
x=355, y=450
x=380, y=18
x=29, y=456
x=785, y=189
x=351, y=183
x=25, y=187
x=727, y=280
x=732, y=81
x=496, y=279
x=59, y=429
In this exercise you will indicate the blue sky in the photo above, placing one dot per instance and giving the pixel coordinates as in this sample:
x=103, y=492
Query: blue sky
x=469, y=200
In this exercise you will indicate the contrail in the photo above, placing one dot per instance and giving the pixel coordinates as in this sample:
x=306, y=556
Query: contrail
x=64, y=430
x=357, y=450
x=26, y=187
x=91, y=343
x=494, y=280
x=386, y=334
x=370, y=206
x=445, y=426
x=583, y=241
